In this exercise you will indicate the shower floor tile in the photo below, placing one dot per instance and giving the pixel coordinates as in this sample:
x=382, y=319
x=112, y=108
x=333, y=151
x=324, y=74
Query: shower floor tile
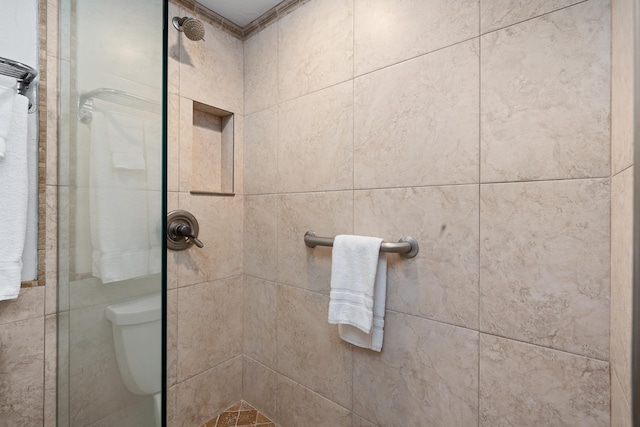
x=240, y=414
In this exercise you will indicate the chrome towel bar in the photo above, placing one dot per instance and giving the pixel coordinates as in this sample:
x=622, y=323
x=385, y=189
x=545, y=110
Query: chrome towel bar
x=24, y=76
x=114, y=96
x=407, y=247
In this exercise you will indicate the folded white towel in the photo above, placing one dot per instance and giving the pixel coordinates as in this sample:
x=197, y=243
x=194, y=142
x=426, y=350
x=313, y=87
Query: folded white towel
x=372, y=340
x=119, y=217
x=8, y=88
x=126, y=140
x=13, y=195
x=358, y=289
x=30, y=251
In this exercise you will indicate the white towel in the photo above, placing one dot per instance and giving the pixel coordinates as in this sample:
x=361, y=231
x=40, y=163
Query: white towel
x=8, y=92
x=153, y=151
x=372, y=340
x=13, y=195
x=126, y=140
x=118, y=204
x=30, y=251
x=358, y=290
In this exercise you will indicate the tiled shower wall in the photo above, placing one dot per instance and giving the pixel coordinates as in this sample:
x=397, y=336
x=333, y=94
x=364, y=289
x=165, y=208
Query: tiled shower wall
x=621, y=209
x=538, y=345
x=205, y=285
x=482, y=130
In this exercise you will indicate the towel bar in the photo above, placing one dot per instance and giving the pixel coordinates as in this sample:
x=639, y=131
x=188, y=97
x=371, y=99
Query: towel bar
x=24, y=76
x=407, y=247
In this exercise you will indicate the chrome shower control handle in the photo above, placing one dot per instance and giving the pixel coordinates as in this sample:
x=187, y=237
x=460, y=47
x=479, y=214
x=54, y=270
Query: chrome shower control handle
x=185, y=231
x=182, y=231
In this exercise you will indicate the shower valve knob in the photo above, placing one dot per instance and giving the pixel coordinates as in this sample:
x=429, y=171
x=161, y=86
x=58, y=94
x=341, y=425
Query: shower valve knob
x=185, y=231
x=182, y=231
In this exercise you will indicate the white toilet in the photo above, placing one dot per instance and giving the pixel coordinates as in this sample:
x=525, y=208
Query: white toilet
x=137, y=336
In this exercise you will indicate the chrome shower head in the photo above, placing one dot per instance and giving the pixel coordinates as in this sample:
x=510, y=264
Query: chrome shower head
x=191, y=27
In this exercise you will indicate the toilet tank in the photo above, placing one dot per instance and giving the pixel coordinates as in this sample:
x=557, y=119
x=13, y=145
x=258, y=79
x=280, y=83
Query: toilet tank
x=137, y=336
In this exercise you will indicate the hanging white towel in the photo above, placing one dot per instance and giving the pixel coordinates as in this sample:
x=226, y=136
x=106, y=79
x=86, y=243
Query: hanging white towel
x=118, y=204
x=372, y=340
x=358, y=290
x=8, y=92
x=13, y=194
x=30, y=251
x=126, y=141
x=153, y=153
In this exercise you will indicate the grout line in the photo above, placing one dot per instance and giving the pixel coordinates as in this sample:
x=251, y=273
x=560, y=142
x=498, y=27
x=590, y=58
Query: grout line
x=494, y=335
x=533, y=17
x=530, y=181
x=622, y=171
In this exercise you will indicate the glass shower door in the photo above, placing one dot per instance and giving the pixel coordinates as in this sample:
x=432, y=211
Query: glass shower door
x=111, y=207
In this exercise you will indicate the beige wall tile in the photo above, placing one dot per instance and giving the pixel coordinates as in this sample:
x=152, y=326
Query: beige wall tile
x=62, y=370
x=50, y=370
x=309, y=348
x=29, y=304
x=52, y=29
x=441, y=282
x=261, y=70
x=621, y=84
x=523, y=384
x=261, y=236
x=622, y=277
x=259, y=386
x=209, y=325
x=204, y=396
x=261, y=157
x=424, y=131
x=174, y=42
x=52, y=118
x=361, y=422
x=22, y=372
x=545, y=97
x=302, y=406
x=63, y=131
x=173, y=142
x=186, y=144
x=426, y=374
x=172, y=337
x=620, y=410
x=220, y=221
x=51, y=251
x=172, y=406
x=390, y=32
x=315, y=141
x=544, y=264
x=496, y=14
x=238, y=154
x=172, y=256
x=327, y=214
x=211, y=70
x=315, y=47
x=259, y=322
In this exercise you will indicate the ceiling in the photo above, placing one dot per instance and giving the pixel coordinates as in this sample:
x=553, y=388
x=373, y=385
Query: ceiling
x=240, y=12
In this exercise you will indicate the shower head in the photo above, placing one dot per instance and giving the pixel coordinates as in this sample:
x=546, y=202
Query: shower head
x=191, y=27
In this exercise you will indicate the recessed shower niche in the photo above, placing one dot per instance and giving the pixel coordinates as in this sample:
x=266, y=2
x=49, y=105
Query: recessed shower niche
x=212, y=151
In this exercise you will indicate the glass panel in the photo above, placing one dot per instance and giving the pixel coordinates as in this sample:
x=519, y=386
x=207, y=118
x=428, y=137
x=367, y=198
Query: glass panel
x=111, y=270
